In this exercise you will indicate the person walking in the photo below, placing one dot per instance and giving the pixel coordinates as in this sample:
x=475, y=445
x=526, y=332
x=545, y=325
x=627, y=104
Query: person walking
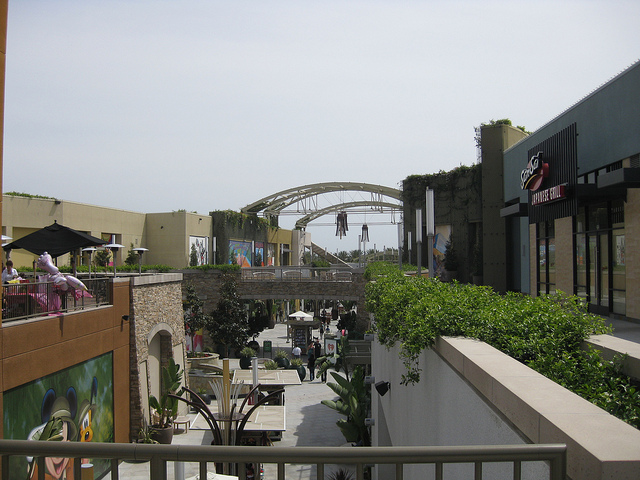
x=318, y=353
x=296, y=352
x=311, y=360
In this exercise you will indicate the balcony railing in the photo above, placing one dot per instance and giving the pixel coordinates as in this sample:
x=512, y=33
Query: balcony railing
x=297, y=273
x=360, y=457
x=25, y=300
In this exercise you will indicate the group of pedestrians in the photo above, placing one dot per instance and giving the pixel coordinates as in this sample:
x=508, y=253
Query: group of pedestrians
x=314, y=351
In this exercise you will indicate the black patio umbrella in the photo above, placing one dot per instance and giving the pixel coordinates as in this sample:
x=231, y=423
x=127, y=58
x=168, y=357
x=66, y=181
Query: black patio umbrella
x=55, y=239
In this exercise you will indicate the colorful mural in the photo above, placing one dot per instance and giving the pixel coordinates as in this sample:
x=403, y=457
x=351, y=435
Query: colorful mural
x=240, y=253
x=78, y=400
x=259, y=255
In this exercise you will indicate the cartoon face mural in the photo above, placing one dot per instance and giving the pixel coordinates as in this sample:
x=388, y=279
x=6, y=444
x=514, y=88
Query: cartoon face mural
x=73, y=405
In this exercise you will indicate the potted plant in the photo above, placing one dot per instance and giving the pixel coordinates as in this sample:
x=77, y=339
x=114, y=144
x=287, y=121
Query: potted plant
x=145, y=435
x=282, y=358
x=245, y=357
x=165, y=409
x=270, y=365
x=450, y=262
x=204, y=396
x=297, y=364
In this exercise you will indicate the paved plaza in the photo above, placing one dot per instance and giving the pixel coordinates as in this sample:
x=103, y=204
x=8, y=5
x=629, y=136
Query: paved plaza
x=309, y=423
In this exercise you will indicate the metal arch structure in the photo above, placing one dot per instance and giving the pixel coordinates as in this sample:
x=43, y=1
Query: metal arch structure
x=274, y=205
x=302, y=222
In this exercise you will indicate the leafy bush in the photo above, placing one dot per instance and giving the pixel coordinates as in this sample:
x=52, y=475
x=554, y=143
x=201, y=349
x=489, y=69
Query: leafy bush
x=546, y=332
x=224, y=268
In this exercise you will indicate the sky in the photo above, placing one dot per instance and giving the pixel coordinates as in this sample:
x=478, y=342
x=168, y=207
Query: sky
x=159, y=105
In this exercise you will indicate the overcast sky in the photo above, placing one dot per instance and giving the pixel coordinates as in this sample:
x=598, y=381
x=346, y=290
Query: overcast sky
x=157, y=105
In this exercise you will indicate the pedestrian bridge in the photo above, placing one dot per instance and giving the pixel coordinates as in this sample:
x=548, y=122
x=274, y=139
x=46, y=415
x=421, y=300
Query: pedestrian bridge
x=286, y=283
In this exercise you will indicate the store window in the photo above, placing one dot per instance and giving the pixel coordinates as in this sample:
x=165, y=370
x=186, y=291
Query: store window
x=600, y=268
x=546, y=264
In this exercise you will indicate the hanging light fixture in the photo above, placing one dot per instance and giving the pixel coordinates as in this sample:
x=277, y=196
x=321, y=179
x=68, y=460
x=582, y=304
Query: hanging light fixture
x=365, y=232
x=341, y=225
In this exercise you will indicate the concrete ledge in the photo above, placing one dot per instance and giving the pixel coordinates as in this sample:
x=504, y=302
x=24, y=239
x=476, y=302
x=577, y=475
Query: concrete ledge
x=609, y=346
x=599, y=445
x=155, y=279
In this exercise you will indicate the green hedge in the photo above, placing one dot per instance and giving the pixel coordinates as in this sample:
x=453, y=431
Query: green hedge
x=546, y=333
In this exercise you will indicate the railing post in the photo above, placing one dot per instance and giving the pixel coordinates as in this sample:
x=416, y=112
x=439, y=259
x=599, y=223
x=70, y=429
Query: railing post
x=158, y=468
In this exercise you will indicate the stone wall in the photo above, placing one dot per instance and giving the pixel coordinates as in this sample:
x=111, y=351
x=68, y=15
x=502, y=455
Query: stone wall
x=156, y=307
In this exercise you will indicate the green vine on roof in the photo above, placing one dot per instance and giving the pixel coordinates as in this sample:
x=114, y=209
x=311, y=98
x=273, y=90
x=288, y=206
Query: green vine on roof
x=28, y=195
x=238, y=220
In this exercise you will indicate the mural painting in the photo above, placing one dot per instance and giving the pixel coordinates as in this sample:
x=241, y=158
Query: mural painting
x=75, y=403
x=271, y=254
x=259, y=255
x=201, y=247
x=240, y=253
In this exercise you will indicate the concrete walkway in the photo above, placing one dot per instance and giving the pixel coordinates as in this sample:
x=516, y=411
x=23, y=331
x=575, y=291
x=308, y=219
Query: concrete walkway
x=309, y=423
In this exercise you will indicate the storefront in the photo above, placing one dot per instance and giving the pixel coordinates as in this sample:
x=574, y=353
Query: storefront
x=573, y=186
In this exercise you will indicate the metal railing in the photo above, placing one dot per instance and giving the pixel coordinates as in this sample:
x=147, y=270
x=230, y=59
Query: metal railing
x=296, y=273
x=361, y=457
x=26, y=300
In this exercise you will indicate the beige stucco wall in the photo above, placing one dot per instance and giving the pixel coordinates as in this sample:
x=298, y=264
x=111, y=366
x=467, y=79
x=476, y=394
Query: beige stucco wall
x=632, y=251
x=167, y=236
x=564, y=254
x=22, y=216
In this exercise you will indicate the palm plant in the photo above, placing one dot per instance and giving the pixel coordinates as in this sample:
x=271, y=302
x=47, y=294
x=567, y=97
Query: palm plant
x=354, y=402
x=167, y=407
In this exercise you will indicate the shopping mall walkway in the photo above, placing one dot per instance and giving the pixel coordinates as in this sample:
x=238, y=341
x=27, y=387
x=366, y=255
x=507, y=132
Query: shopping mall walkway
x=309, y=423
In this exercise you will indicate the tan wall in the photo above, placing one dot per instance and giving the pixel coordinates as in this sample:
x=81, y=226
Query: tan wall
x=48, y=345
x=495, y=140
x=632, y=251
x=22, y=216
x=533, y=270
x=564, y=254
x=167, y=236
x=279, y=236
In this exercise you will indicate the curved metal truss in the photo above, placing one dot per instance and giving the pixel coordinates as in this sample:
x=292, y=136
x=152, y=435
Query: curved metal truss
x=306, y=198
x=379, y=207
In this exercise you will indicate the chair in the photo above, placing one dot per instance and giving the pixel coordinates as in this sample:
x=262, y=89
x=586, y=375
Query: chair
x=182, y=420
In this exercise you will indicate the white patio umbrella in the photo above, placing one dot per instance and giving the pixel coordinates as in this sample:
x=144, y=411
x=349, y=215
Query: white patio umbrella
x=300, y=314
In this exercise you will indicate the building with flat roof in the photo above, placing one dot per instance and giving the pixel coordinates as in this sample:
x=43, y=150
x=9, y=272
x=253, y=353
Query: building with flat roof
x=571, y=201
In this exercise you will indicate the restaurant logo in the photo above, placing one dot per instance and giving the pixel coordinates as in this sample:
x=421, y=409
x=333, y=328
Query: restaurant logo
x=531, y=177
x=549, y=195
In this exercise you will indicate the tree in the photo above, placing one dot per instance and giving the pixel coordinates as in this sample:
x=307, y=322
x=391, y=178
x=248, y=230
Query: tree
x=343, y=255
x=193, y=256
x=194, y=316
x=132, y=257
x=228, y=325
x=102, y=258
